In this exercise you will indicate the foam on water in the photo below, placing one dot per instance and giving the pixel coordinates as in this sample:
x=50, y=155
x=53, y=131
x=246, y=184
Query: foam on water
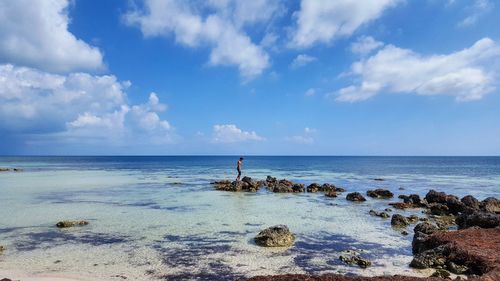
x=149, y=224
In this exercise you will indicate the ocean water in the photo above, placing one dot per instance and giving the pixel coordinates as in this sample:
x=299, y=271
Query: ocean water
x=158, y=218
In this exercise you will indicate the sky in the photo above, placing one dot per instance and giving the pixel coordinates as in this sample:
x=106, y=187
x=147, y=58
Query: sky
x=237, y=77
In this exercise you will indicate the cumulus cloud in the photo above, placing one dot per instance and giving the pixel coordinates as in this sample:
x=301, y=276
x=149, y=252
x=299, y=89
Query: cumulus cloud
x=365, y=45
x=35, y=34
x=218, y=24
x=477, y=9
x=467, y=75
x=77, y=105
x=323, y=21
x=302, y=60
x=305, y=138
x=230, y=133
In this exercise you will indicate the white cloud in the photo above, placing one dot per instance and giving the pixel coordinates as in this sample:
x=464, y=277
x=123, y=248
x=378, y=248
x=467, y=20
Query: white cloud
x=467, y=75
x=35, y=34
x=365, y=45
x=477, y=9
x=230, y=133
x=218, y=24
x=77, y=105
x=305, y=138
x=302, y=60
x=323, y=21
x=310, y=92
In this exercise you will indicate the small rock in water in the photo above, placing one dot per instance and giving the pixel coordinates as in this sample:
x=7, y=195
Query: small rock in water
x=275, y=236
x=404, y=232
x=352, y=258
x=379, y=214
x=331, y=193
x=355, y=196
x=398, y=220
x=2, y=248
x=380, y=193
x=66, y=224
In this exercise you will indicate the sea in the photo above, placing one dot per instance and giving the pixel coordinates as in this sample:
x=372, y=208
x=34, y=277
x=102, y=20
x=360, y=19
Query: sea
x=159, y=218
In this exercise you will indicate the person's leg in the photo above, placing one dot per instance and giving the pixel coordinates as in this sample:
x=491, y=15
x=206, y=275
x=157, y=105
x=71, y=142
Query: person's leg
x=239, y=175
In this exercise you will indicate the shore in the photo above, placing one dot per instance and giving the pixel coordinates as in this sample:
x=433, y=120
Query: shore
x=474, y=246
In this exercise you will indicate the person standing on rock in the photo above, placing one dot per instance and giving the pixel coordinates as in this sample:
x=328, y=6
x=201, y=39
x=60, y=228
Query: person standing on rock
x=238, y=168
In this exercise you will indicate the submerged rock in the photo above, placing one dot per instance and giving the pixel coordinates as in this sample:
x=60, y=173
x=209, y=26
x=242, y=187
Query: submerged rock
x=331, y=194
x=398, y=220
x=352, y=258
x=275, y=236
x=11, y=170
x=384, y=215
x=355, y=196
x=380, y=193
x=66, y=224
x=2, y=248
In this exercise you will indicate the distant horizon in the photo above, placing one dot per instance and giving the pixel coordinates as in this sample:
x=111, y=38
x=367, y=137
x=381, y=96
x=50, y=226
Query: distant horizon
x=299, y=77
x=237, y=155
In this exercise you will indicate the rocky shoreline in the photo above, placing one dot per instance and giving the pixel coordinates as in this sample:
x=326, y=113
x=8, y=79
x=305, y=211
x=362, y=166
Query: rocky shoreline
x=473, y=250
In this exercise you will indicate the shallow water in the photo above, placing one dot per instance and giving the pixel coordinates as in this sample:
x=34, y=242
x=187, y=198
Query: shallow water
x=154, y=218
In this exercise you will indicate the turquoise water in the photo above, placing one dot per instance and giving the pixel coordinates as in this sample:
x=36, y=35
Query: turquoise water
x=157, y=218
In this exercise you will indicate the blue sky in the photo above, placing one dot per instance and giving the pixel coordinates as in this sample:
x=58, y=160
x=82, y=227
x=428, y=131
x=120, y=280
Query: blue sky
x=310, y=77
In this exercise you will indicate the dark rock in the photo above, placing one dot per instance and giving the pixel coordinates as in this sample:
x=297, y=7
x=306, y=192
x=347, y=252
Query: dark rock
x=491, y=205
x=398, y=220
x=246, y=184
x=479, y=219
x=402, y=205
x=331, y=194
x=380, y=193
x=351, y=258
x=439, y=209
x=388, y=209
x=470, y=201
x=271, y=181
x=355, y=196
x=11, y=170
x=313, y=187
x=2, y=248
x=435, y=197
x=326, y=187
x=441, y=273
x=66, y=224
x=378, y=179
x=429, y=258
x=404, y=232
x=379, y=214
x=285, y=186
x=412, y=219
x=455, y=268
x=275, y=236
x=5, y=279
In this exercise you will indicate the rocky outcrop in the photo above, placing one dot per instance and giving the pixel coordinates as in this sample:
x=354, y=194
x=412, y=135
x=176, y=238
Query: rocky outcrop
x=275, y=236
x=398, y=220
x=470, y=202
x=479, y=219
x=422, y=232
x=353, y=258
x=491, y=205
x=285, y=186
x=471, y=251
x=66, y=224
x=326, y=187
x=441, y=199
x=380, y=193
x=355, y=196
x=245, y=184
